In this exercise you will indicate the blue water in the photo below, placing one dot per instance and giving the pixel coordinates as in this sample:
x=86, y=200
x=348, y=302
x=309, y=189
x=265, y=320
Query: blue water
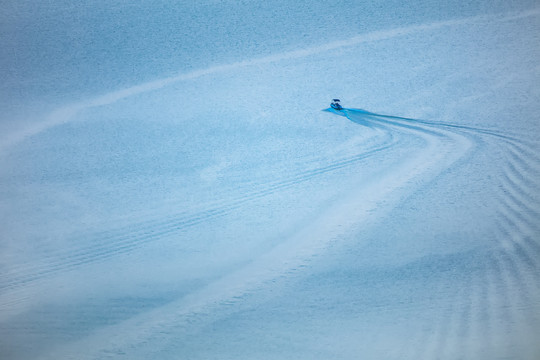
x=57, y=52
x=224, y=215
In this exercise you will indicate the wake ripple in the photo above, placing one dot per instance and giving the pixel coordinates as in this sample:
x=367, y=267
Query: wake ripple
x=495, y=311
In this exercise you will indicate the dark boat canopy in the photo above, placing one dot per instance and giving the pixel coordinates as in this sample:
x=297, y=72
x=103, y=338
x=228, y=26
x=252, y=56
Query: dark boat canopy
x=336, y=105
x=336, y=100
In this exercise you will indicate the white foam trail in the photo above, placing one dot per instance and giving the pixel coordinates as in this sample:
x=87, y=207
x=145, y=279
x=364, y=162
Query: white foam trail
x=67, y=113
x=442, y=149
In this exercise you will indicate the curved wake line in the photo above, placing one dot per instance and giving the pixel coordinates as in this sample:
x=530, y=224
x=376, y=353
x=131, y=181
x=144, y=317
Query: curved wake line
x=476, y=316
x=432, y=123
x=67, y=113
x=513, y=266
x=105, y=246
x=443, y=149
